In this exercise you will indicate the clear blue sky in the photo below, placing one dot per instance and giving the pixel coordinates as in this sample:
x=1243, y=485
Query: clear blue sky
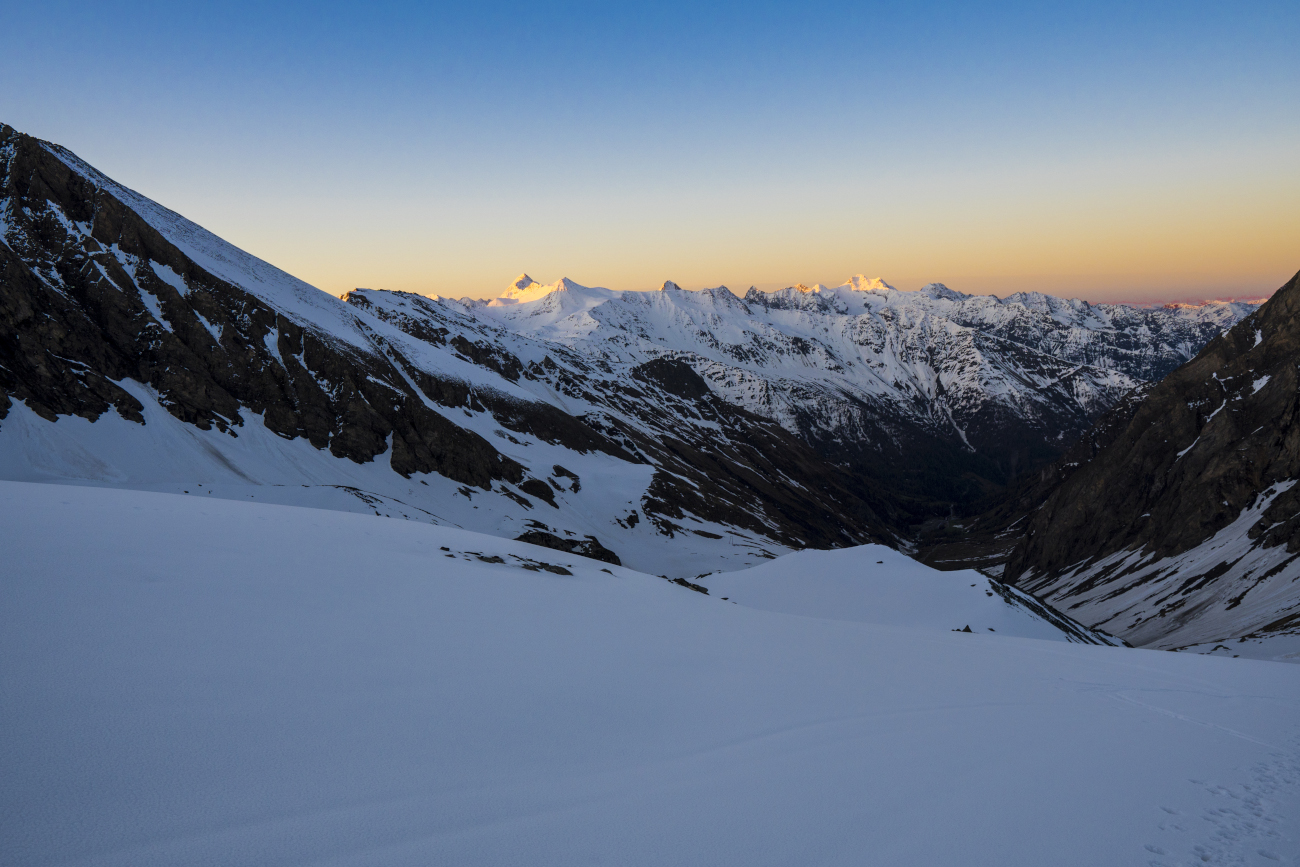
x=1104, y=150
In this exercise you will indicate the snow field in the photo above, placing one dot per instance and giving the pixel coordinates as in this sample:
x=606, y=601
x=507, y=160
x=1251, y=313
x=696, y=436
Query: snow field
x=191, y=680
x=167, y=455
x=875, y=584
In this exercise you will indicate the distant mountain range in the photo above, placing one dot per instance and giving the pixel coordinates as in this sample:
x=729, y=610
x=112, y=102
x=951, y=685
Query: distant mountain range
x=943, y=396
x=680, y=432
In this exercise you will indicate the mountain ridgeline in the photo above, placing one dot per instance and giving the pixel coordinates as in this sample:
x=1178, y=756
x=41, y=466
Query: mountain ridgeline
x=1182, y=528
x=678, y=432
x=923, y=394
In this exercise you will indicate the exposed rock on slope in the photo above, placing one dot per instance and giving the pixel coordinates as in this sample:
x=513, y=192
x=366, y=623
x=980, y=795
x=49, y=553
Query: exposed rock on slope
x=935, y=396
x=985, y=539
x=589, y=547
x=705, y=428
x=94, y=294
x=1185, y=528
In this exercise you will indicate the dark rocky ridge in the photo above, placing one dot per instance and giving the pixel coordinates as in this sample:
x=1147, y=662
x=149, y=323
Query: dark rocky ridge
x=673, y=376
x=1216, y=439
x=73, y=320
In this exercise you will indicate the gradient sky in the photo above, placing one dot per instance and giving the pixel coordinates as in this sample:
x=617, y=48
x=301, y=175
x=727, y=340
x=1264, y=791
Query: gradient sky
x=1135, y=151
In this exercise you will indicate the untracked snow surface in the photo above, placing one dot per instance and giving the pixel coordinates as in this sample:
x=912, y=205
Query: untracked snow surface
x=190, y=680
x=875, y=584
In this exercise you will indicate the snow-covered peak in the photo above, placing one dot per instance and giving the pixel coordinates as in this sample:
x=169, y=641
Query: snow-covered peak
x=670, y=286
x=853, y=296
x=721, y=295
x=1044, y=303
x=863, y=283
x=522, y=290
x=563, y=305
x=525, y=290
x=938, y=290
x=521, y=285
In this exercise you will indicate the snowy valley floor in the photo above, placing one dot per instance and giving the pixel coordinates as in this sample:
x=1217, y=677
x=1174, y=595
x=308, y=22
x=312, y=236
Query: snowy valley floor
x=198, y=681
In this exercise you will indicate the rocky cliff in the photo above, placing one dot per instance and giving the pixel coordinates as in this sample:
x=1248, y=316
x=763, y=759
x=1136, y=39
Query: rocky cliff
x=1183, y=528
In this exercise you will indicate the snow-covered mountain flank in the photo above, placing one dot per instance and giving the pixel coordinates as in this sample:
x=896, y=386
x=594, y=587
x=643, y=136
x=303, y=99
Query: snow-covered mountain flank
x=941, y=395
x=1179, y=524
x=679, y=432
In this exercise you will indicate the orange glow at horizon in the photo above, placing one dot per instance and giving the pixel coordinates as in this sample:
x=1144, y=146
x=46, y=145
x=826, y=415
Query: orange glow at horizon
x=1140, y=233
x=1106, y=152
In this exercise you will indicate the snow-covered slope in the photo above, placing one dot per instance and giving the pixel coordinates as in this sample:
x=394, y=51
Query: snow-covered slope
x=875, y=584
x=966, y=387
x=193, y=680
x=1182, y=528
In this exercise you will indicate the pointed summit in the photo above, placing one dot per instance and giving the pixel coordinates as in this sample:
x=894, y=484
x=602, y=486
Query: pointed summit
x=669, y=286
x=562, y=294
x=522, y=290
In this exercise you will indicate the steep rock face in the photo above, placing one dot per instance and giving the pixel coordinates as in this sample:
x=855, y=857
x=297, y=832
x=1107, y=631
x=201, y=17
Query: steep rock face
x=1185, y=528
x=94, y=294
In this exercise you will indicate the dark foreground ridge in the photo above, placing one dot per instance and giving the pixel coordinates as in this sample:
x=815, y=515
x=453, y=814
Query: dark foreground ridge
x=91, y=294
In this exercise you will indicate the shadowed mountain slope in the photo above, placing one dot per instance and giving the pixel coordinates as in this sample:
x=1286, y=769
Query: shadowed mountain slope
x=1183, y=528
